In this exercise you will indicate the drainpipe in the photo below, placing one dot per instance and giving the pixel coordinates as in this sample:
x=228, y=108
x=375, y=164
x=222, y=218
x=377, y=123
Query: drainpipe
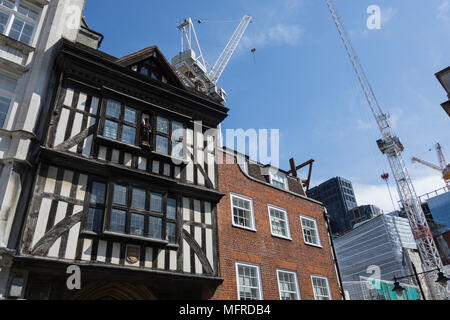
x=336, y=264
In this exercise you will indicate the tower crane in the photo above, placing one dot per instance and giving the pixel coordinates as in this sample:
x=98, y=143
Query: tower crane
x=443, y=167
x=391, y=146
x=191, y=66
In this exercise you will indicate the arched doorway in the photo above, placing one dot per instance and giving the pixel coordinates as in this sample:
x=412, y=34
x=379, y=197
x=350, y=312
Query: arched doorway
x=113, y=291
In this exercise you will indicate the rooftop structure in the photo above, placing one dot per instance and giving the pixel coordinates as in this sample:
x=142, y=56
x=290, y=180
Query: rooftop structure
x=444, y=78
x=362, y=213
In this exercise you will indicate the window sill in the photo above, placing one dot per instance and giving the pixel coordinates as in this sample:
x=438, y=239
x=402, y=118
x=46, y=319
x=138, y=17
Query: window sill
x=15, y=44
x=243, y=228
x=13, y=67
x=39, y=3
x=109, y=235
x=314, y=245
x=167, y=158
x=118, y=144
x=281, y=237
x=140, y=238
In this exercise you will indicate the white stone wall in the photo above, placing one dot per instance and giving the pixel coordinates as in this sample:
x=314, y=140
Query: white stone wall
x=58, y=19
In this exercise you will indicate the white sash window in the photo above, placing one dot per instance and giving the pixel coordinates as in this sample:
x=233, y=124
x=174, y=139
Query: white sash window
x=18, y=20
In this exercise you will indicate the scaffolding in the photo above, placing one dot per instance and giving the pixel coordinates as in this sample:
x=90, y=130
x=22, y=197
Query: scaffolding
x=380, y=249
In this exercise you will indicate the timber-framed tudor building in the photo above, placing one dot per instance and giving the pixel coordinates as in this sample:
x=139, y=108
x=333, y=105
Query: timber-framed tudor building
x=124, y=184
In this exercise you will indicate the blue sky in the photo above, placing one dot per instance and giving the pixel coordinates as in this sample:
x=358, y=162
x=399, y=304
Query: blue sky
x=302, y=82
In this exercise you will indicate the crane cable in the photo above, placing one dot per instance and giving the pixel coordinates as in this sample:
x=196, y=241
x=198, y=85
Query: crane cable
x=369, y=135
x=199, y=21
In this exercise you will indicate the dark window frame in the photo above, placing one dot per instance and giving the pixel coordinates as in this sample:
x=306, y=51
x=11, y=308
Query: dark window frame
x=169, y=136
x=88, y=205
x=140, y=113
x=121, y=121
x=152, y=68
x=145, y=212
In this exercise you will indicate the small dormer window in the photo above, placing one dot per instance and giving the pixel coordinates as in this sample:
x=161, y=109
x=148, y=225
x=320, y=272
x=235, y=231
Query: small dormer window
x=144, y=71
x=149, y=70
x=278, y=180
x=154, y=76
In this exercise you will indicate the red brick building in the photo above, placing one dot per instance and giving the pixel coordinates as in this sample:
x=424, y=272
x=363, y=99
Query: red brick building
x=271, y=237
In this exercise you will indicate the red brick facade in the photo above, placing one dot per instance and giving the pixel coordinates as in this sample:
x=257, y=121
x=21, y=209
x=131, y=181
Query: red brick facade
x=265, y=250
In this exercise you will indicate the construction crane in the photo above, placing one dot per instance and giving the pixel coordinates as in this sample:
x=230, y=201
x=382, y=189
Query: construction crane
x=191, y=66
x=443, y=167
x=391, y=146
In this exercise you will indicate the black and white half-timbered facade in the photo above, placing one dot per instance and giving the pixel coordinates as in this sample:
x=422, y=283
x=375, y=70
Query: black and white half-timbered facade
x=126, y=184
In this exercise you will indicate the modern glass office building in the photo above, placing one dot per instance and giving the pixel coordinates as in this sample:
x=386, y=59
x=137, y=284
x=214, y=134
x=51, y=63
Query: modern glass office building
x=440, y=210
x=338, y=197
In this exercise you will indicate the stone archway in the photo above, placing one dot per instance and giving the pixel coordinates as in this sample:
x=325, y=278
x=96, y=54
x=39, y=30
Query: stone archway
x=113, y=291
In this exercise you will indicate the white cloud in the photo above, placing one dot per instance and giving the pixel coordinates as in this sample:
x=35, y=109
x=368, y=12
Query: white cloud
x=387, y=14
x=278, y=35
x=443, y=11
x=293, y=4
x=378, y=194
x=363, y=125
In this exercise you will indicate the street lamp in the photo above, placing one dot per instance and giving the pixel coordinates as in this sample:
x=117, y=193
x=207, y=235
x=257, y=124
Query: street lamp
x=442, y=279
x=398, y=289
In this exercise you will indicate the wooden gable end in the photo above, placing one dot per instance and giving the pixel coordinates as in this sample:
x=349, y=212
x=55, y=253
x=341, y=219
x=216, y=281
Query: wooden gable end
x=150, y=63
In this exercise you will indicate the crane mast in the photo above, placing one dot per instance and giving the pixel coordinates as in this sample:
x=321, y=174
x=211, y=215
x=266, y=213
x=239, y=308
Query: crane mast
x=440, y=155
x=391, y=146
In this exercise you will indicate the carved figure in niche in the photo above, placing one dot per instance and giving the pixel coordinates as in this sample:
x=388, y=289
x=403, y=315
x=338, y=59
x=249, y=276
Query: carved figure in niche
x=146, y=131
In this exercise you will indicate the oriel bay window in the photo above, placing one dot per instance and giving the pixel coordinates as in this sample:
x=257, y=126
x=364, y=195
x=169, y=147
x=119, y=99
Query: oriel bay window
x=139, y=212
x=129, y=125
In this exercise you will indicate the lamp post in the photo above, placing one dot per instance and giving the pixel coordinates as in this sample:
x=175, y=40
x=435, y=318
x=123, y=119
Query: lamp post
x=441, y=279
x=398, y=289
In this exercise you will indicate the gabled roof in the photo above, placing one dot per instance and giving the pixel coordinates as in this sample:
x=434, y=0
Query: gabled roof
x=153, y=52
